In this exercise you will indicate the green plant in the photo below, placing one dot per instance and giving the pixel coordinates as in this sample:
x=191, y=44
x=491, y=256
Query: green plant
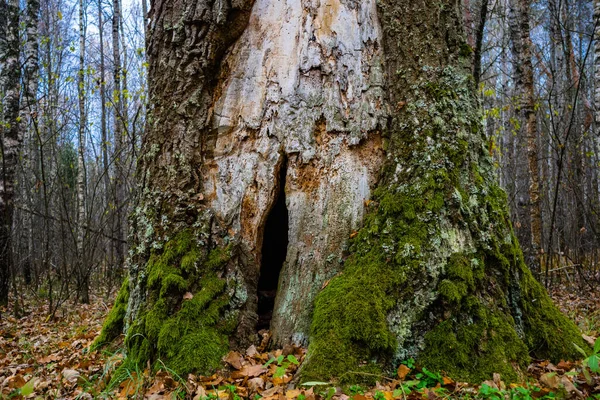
x=379, y=395
x=283, y=364
x=232, y=390
x=356, y=389
x=428, y=378
x=405, y=388
x=488, y=392
x=590, y=363
x=410, y=363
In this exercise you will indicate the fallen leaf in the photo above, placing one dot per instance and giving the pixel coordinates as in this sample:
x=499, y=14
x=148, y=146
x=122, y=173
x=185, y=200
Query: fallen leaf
x=550, y=380
x=590, y=340
x=70, y=375
x=251, y=351
x=234, y=359
x=403, y=370
x=293, y=393
x=249, y=371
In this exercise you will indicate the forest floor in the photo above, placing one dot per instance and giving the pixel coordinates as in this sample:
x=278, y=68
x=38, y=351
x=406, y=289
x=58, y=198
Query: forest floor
x=48, y=358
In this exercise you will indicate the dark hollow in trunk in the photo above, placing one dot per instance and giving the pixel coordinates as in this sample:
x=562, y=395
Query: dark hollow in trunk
x=274, y=251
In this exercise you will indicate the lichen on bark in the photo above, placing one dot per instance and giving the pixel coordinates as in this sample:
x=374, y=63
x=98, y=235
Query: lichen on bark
x=436, y=272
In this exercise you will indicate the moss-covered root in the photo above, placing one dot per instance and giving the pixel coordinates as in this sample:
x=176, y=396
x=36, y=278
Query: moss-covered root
x=187, y=333
x=549, y=334
x=113, y=325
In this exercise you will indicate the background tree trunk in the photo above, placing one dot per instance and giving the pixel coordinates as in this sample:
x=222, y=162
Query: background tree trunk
x=521, y=42
x=318, y=111
x=597, y=62
x=10, y=87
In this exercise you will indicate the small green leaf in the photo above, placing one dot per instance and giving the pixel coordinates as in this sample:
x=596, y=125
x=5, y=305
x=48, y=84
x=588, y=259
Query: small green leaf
x=269, y=362
x=592, y=362
x=280, y=359
x=597, y=346
x=579, y=349
x=27, y=388
x=291, y=358
x=279, y=372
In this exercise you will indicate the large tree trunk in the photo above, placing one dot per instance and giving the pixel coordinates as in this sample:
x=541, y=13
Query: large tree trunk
x=398, y=240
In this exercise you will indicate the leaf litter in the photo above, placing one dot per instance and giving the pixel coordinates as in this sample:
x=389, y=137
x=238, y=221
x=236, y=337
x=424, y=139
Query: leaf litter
x=42, y=358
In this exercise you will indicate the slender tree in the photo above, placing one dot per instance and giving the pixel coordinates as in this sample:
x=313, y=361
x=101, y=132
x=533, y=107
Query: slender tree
x=597, y=62
x=11, y=134
x=82, y=271
x=522, y=48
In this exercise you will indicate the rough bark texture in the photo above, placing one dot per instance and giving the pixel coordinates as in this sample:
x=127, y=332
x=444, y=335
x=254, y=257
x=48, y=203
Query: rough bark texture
x=29, y=114
x=597, y=61
x=82, y=269
x=11, y=134
x=521, y=43
x=375, y=134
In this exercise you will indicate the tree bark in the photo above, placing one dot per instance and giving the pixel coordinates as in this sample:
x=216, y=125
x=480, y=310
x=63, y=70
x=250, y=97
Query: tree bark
x=82, y=268
x=119, y=150
x=399, y=243
x=521, y=42
x=11, y=134
x=597, y=62
x=479, y=33
x=29, y=114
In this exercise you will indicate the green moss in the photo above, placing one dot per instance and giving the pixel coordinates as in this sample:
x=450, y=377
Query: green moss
x=113, y=325
x=475, y=343
x=439, y=248
x=549, y=333
x=187, y=335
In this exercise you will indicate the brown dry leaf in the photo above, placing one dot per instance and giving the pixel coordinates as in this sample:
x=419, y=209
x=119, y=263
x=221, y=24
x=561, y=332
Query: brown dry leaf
x=550, y=380
x=447, y=381
x=234, y=359
x=249, y=371
x=15, y=382
x=273, y=391
x=251, y=351
x=359, y=397
x=403, y=370
x=293, y=393
x=256, y=383
x=565, y=365
x=200, y=393
x=498, y=381
x=70, y=375
x=569, y=387
x=590, y=340
x=48, y=359
x=128, y=387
